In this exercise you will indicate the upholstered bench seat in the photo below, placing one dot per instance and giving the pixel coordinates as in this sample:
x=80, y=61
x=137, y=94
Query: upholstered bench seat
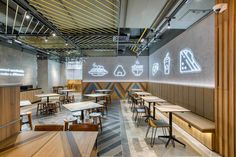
x=202, y=124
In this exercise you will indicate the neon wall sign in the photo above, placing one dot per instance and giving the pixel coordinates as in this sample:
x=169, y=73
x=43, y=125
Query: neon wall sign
x=188, y=63
x=12, y=72
x=119, y=71
x=155, y=68
x=98, y=70
x=167, y=64
x=137, y=69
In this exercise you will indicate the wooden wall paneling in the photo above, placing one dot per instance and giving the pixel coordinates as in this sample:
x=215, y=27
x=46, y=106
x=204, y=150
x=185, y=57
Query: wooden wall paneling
x=209, y=104
x=200, y=101
x=185, y=97
x=9, y=111
x=180, y=95
x=192, y=99
x=225, y=74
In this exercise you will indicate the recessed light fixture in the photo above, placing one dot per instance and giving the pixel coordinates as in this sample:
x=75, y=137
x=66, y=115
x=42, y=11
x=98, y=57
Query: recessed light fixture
x=46, y=39
x=142, y=40
x=27, y=16
x=53, y=34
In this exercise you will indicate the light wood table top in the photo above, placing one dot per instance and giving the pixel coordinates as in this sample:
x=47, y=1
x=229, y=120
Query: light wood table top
x=103, y=90
x=142, y=93
x=49, y=143
x=24, y=103
x=67, y=90
x=136, y=90
x=153, y=99
x=168, y=107
x=47, y=95
x=95, y=95
x=79, y=106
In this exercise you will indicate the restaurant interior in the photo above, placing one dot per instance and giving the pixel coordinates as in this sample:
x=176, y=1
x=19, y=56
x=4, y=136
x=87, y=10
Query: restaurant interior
x=117, y=78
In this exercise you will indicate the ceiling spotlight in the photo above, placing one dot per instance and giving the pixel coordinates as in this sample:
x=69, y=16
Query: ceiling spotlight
x=142, y=40
x=168, y=24
x=53, y=34
x=27, y=16
x=66, y=44
x=46, y=39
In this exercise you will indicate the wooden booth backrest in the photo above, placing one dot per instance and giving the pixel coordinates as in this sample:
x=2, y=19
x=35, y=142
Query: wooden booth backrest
x=197, y=99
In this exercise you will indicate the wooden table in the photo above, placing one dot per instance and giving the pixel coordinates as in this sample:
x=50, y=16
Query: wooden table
x=152, y=100
x=24, y=103
x=142, y=93
x=49, y=143
x=67, y=91
x=136, y=90
x=96, y=96
x=104, y=91
x=170, y=108
x=47, y=95
x=81, y=106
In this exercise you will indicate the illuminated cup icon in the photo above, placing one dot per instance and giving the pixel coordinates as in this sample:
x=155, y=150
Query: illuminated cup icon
x=167, y=64
x=155, y=68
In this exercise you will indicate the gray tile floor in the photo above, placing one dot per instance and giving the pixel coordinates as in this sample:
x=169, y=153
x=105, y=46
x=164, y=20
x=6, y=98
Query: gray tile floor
x=122, y=137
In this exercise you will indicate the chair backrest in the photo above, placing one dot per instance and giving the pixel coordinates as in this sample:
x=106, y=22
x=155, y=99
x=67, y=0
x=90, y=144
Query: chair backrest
x=83, y=127
x=48, y=127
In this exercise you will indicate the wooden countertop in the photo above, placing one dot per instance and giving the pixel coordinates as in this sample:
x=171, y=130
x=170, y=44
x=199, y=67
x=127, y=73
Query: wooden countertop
x=49, y=143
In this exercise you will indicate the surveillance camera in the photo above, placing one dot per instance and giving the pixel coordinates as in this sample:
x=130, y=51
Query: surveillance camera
x=219, y=8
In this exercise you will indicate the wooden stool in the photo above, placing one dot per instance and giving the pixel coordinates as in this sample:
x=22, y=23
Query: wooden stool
x=29, y=115
x=51, y=107
x=77, y=115
x=68, y=120
x=41, y=107
x=96, y=116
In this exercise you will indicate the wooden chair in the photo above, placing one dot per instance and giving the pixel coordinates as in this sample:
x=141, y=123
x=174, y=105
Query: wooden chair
x=155, y=124
x=29, y=116
x=51, y=107
x=83, y=127
x=62, y=99
x=49, y=127
x=71, y=99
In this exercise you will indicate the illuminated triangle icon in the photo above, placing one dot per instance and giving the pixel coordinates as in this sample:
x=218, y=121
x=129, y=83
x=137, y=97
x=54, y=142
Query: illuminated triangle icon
x=188, y=64
x=119, y=71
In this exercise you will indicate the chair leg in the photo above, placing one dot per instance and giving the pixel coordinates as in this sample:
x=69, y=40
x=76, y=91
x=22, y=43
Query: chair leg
x=152, y=137
x=147, y=131
x=100, y=122
x=153, y=142
x=30, y=120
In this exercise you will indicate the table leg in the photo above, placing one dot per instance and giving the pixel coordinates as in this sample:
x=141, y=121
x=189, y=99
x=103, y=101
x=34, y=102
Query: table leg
x=171, y=137
x=96, y=99
x=82, y=115
x=47, y=99
x=154, y=110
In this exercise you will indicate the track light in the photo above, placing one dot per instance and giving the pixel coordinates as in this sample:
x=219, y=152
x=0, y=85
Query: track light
x=168, y=27
x=27, y=16
x=53, y=34
x=142, y=40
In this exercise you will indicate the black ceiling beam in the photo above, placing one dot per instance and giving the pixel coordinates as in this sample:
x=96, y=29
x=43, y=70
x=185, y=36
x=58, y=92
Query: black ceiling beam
x=24, y=4
x=25, y=35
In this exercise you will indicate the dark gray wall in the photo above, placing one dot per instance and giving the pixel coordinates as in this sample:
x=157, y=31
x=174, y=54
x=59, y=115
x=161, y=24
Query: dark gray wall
x=200, y=39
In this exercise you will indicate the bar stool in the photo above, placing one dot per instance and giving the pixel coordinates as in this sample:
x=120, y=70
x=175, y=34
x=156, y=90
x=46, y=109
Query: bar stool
x=41, y=107
x=77, y=115
x=29, y=116
x=68, y=120
x=96, y=116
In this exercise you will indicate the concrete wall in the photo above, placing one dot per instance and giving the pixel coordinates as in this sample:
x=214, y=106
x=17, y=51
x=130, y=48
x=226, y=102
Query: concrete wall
x=200, y=39
x=16, y=59
x=51, y=74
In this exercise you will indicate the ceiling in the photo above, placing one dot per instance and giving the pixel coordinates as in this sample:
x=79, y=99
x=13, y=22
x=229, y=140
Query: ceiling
x=77, y=28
